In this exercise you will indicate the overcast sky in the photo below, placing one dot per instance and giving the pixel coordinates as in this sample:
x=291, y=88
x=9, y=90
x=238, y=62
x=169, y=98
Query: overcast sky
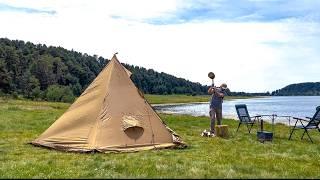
x=252, y=45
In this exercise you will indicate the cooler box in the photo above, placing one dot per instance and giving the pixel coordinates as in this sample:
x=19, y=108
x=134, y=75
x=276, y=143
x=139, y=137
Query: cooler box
x=264, y=136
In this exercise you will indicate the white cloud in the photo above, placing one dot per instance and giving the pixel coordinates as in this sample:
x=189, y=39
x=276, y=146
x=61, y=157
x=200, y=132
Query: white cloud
x=247, y=56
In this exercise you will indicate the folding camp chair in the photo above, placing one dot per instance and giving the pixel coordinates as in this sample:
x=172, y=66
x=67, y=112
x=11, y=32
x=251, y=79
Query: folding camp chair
x=244, y=117
x=312, y=123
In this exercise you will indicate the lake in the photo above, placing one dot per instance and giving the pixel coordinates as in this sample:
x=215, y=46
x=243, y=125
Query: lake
x=296, y=106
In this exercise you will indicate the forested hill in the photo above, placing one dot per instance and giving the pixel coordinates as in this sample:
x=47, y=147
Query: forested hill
x=54, y=73
x=300, y=89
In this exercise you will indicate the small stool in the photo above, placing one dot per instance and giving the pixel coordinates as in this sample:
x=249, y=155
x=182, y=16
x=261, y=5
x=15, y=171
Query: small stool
x=222, y=131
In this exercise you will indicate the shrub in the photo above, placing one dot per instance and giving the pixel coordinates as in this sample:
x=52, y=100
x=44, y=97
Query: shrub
x=36, y=94
x=59, y=93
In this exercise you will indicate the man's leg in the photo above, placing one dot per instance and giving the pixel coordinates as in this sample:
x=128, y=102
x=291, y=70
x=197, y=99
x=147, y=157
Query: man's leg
x=212, y=120
x=219, y=115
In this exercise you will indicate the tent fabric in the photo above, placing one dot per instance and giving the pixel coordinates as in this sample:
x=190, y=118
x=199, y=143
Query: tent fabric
x=111, y=115
x=130, y=122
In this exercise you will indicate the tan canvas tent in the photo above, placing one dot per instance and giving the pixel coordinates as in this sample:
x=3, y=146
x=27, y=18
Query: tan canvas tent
x=110, y=115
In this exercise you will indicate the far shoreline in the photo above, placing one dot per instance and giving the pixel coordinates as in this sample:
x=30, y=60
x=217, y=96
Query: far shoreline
x=230, y=98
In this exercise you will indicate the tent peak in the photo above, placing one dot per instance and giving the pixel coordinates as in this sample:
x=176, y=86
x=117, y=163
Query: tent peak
x=115, y=59
x=115, y=55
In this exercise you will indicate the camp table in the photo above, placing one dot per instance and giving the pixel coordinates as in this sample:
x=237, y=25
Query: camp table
x=273, y=117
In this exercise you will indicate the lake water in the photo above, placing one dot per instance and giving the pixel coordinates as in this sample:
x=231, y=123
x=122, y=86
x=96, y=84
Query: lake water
x=296, y=106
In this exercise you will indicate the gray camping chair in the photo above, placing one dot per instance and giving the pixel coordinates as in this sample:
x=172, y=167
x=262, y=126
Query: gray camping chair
x=244, y=117
x=312, y=123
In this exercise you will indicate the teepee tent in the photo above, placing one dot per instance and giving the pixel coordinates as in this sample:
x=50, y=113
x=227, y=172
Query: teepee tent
x=110, y=115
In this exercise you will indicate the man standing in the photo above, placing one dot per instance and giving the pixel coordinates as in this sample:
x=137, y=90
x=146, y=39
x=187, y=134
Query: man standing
x=218, y=94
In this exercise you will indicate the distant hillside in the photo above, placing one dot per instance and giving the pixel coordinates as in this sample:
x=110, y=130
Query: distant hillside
x=54, y=73
x=301, y=89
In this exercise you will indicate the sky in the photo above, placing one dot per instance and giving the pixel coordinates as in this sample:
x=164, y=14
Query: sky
x=251, y=45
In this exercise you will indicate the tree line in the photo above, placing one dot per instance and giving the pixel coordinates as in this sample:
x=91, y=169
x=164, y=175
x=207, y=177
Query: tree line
x=38, y=71
x=300, y=89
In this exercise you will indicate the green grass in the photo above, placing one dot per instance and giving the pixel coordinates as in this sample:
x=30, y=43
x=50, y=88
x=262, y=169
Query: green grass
x=165, y=99
x=239, y=156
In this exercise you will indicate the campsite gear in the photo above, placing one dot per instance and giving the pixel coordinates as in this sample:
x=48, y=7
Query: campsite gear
x=312, y=123
x=273, y=118
x=244, y=117
x=206, y=133
x=264, y=135
x=109, y=116
x=211, y=75
x=222, y=131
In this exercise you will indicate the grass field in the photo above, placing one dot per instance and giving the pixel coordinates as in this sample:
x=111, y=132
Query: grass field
x=239, y=156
